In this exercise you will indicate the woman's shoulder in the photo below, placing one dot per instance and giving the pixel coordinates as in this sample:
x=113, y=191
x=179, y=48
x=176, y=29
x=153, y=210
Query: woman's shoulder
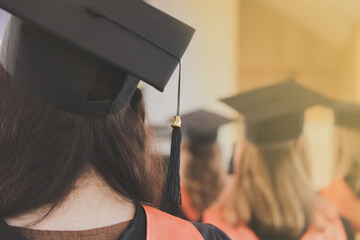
x=338, y=191
x=327, y=223
x=161, y=225
x=215, y=216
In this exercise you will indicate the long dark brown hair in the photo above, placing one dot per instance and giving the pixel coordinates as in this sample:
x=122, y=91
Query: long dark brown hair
x=44, y=150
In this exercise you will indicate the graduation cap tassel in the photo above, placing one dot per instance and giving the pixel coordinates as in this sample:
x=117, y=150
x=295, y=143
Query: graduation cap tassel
x=172, y=192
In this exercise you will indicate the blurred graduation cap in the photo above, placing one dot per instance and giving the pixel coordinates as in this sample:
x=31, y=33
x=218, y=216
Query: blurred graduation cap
x=347, y=115
x=202, y=126
x=87, y=57
x=275, y=113
x=60, y=49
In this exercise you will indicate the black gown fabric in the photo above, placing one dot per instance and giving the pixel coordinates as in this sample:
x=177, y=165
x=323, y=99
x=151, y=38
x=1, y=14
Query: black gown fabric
x=348, y=229
x=350, y=179
x=135, y=231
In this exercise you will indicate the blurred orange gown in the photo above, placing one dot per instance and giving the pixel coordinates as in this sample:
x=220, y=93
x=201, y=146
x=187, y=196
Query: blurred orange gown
x=343, y=197
x=188, y=210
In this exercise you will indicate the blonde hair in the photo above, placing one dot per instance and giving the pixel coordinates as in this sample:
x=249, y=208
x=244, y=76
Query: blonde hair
x=347, y=156
x=273, y=188
x=202, y=173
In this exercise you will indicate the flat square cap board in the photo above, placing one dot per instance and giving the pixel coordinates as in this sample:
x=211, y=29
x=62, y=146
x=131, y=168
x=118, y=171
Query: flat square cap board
x=130, y=36
x=275, y=100
x=275, y=112
x=202, y=125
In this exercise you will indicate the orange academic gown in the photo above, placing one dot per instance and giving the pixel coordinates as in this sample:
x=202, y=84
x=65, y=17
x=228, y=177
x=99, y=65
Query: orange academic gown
x=343, y=197
x=240, y=232
x=163, y=226
x=214, y=216
x=187, y=210
x=332, y=229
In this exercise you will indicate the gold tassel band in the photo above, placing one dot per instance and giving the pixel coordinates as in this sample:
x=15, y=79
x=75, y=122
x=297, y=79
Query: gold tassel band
x=176, y=122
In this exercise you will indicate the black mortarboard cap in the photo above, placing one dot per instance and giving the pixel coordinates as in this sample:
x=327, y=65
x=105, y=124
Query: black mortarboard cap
x=58, y=49
x=347, y=115
x=275, y=113
x=88, y=56
x=202, y=126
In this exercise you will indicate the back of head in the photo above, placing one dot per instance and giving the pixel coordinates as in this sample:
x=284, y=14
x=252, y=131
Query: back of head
x=45, y=150
x=272, y=193
x=347, y=156
x=101, y=125
x=347, y=139
x=202, y=173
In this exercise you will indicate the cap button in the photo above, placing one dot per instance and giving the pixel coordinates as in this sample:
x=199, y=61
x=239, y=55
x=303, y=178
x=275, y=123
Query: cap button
x=96, y=10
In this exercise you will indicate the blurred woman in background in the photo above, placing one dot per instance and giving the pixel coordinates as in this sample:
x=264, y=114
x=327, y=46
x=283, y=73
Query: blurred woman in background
x=202, y=173
x=344, y=190
x=270, y=191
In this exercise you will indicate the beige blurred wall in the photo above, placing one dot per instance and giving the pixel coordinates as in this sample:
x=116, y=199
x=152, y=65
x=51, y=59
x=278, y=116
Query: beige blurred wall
x=313, y=44
x=210, y=65
x=275, y=47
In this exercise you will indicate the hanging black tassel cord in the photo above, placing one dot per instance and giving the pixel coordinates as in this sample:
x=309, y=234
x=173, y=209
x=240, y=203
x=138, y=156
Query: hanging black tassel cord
x=172, y=192
x=171, y=198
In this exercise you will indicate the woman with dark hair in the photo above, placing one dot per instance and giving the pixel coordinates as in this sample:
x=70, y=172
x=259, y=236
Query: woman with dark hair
x=202, y=174
x=270, y=195
x=75, y=151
